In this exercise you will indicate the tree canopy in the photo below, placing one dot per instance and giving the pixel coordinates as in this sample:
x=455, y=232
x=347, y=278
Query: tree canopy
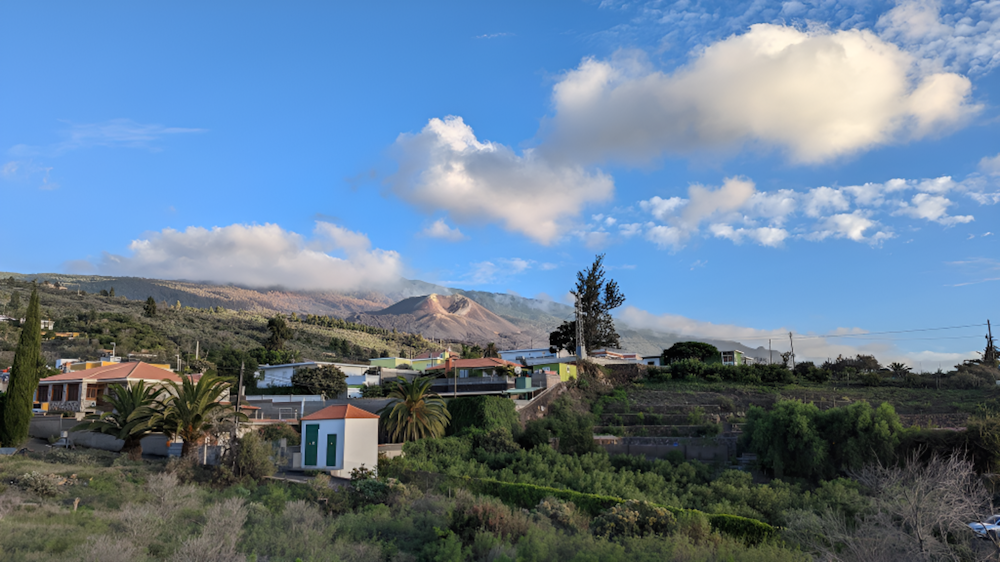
x=279, y=332
x=597, y=297
x=327, y=380
x=690, y=350
x=414, y=411
x=149, y=310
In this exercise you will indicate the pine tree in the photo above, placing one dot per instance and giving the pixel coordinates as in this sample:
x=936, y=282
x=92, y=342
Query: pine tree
x=150, y=309
x=23, y=377
x=598, y=297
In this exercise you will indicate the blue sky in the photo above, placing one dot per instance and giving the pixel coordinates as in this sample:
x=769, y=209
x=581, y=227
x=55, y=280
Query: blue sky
x=748, y=168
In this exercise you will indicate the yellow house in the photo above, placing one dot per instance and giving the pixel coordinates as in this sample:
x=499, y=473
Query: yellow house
x=566, y=371
x=419, y=363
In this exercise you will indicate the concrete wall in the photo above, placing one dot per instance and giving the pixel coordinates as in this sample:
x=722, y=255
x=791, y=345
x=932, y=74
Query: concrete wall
x=43, y=427
x=360, y=446
x=538, y=407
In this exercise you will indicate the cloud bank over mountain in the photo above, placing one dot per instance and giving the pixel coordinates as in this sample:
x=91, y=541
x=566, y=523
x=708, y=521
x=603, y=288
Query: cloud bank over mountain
x=333, y=258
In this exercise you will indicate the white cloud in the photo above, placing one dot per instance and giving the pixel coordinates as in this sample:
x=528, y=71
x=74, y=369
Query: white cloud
x=776, y=206
x=765, y=236
x=489, y=272
x=986, y=198
x=662, y=208
x=440, y=229
x=446, y=167
x=932, y=208
x=629, y=230
x=988, y=165
x=965, y=37
x=818, y=94
x=259, y=256
x=667, y=236
x=124, y=133
x=822, y=200
x=848, y=225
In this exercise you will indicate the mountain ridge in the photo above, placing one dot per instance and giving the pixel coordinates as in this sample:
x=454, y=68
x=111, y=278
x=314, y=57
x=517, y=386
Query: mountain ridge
x=533, y=318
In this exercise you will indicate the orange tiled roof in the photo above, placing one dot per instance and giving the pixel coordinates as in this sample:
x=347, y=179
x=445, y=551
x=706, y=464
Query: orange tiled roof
x=481, y=363
x=340, y=412
x=121, y=371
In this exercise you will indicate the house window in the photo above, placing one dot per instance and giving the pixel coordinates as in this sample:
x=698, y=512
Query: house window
x=73, y=392
x=463, y=373
x=43, y=393
x=57, y=392
x=92, y=392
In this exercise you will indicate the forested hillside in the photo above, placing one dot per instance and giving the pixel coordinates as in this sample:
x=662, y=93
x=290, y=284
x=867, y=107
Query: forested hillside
x=184, y=329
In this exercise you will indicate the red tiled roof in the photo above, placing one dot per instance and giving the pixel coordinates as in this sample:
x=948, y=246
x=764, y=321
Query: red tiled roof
x=482, y=363
x=132, y=371
x=340, y=412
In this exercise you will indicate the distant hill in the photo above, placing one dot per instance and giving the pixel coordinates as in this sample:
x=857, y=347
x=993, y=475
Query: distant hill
x=448, y=317
x=528, y=321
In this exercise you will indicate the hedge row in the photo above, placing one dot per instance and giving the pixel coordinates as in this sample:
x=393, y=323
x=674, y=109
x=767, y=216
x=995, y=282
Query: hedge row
x=527, y=496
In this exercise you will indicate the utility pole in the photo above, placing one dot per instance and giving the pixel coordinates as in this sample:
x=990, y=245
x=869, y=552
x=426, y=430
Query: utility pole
x=197, y=346
x=792, y=341
x=581, y=344
x=239, y=392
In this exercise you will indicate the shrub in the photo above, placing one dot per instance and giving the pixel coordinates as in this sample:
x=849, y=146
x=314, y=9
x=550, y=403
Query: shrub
x=695, y=526
x=374, y=391
x=41, y=484
x=563, y=514
x=498, y=440
x=483, y=412
x=275, y=432
x=634, y=518
x=250, y=459
x=473, y=514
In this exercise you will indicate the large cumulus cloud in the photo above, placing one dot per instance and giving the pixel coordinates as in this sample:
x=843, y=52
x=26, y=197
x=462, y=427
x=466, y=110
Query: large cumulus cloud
x=446, y=167
x=815, y=94
x=334, y=258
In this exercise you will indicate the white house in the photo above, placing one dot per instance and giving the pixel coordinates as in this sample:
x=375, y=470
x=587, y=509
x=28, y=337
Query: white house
x=517, y=355
x=281, y=375
x=340, y=438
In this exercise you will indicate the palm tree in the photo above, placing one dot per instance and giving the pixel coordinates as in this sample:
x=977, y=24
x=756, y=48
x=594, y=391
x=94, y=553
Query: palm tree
x=414, y=412
x=899, y=369
x=491, y=350
x=131, y=418
x=192, y=410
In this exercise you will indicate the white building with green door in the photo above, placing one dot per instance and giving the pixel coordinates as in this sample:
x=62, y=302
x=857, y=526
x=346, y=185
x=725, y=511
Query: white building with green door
x=338, y=439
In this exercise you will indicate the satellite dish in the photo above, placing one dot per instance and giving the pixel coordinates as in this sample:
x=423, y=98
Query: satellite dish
x=517, y=370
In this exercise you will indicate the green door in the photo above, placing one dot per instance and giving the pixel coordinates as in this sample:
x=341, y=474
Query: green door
x=312, y=439
x=331, y=450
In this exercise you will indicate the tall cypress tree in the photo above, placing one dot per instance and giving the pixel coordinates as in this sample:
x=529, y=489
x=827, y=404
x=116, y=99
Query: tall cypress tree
x=23, y=378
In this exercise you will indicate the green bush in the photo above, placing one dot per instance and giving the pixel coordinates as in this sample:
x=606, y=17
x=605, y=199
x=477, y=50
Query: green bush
x=634, y=518
x=482, y=412
x=41, y=484
x=278, y=431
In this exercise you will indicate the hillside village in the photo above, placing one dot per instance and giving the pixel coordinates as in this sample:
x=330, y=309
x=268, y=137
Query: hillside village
x=298, y=416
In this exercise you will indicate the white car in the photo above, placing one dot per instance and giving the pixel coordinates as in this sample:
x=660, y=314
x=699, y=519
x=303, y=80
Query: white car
x=988, y=529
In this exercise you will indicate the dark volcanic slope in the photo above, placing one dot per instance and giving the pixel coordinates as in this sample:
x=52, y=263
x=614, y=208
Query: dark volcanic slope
x=452, y=317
